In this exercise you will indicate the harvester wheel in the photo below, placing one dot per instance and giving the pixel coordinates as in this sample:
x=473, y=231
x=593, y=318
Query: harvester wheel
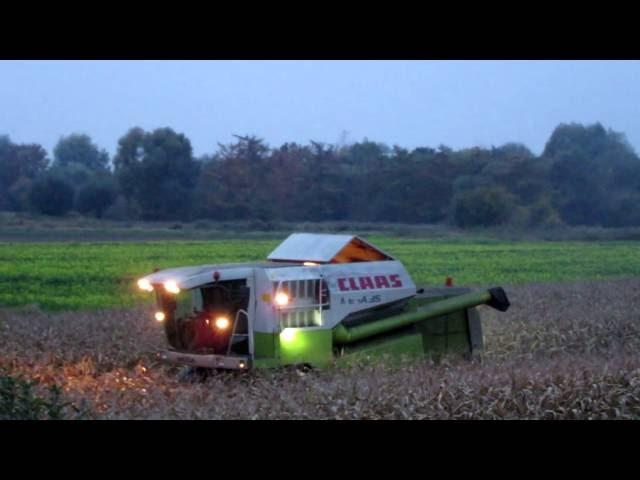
x=305, y=367
x=298, y=368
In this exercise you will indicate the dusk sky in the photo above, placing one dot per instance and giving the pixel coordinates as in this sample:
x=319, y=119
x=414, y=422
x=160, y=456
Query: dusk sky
x=408, y=103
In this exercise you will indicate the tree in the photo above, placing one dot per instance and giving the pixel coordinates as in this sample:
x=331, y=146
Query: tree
x=79, y=149
x=96, y=196
x=18, y=163
x=76, y=174
x=326, y=194
x=542, y=213
x=366, y=162
x=487, y=206
x=238, y=182
x=512, y=151
x=18, y=194
x=412, y=187
x=623, y=210
x=285, y=180
x=51, y=195
x=587, y=163
x=579, y=193
x=157, y=171
x=128, y=159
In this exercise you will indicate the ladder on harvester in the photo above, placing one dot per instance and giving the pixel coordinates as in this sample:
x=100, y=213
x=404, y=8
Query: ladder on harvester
x=241, y=335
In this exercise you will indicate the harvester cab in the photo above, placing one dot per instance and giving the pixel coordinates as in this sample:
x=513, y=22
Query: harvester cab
x=315, y=298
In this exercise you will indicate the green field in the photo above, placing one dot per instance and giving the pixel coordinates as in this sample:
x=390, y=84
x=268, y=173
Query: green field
x=63, y=276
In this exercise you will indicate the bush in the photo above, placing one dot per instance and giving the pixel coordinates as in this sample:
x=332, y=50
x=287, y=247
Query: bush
x=51, y=195
x=96, y=197
x=202, y=225
x=484, y=206
x=19, y=401
x=261, y=225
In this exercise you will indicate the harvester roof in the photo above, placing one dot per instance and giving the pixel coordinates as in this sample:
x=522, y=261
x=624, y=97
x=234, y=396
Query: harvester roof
x=296, y=249
x=327, y=248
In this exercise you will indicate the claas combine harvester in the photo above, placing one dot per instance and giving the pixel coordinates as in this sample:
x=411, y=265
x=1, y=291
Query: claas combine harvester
x=316, y=298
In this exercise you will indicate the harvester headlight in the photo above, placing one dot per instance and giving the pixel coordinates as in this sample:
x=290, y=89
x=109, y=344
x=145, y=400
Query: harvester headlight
x=159, y=316
x=171, y=286
x=288, y=334
x=309, y=264
x=222, y=323
x=144, y=284
x=282, y=299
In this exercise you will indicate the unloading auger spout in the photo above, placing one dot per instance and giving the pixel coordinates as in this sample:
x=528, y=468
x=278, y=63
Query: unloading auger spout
x=494, y=297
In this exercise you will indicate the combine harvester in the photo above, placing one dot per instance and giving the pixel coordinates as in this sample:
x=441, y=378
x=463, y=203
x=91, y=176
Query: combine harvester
x=316, y=298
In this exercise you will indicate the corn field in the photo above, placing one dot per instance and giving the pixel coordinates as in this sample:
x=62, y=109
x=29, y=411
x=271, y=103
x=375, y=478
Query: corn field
x=563, y=351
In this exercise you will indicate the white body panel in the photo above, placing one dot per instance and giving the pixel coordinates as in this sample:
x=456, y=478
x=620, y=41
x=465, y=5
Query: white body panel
x=352, y=287
x=192, y=277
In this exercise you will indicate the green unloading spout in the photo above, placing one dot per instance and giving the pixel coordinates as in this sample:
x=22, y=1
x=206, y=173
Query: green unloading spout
x=494, y=297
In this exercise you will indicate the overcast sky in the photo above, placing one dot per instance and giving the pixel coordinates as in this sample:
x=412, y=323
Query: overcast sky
x=408, y=103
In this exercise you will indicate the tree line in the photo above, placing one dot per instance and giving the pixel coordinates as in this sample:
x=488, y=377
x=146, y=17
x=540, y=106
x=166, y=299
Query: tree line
x=586, y=175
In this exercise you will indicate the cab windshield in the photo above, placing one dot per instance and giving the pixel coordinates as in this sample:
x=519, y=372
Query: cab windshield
x=210, y=319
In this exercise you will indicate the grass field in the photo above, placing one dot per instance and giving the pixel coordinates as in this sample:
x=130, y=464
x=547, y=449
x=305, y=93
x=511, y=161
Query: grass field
x=77, y=275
